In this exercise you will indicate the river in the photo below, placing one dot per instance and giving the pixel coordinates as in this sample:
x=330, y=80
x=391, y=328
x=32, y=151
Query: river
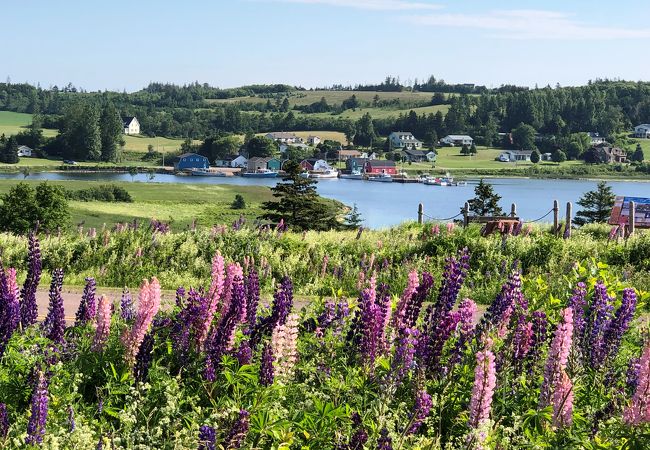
x=386, y=204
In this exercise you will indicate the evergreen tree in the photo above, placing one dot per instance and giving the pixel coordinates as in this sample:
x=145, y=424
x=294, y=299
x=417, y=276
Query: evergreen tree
x=597, y=205
x=9, y=151
x=80, y=135
x=558, y=156
x=353, y=219
x=365, y=134
x=285, y=105
x=535, y=157
x=472, y=149
x=486, y=201
x=465, y=150
x=298, y=204
x=238, y=202
x=638, y=154
x=110, y=125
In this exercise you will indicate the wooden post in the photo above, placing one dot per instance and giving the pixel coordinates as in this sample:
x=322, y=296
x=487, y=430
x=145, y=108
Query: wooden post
x=568, y=218
x=556, y=216
x=466, y=214
x=513, y=210
x=631, y=219
x=420, y=213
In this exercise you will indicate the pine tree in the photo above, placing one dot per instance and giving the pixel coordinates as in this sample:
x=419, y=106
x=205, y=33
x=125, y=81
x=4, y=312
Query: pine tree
x=238, y=202
x=597, y=205
x=353, y=219
x=110, y=126
x=486, y=201
x=9, y=152
x=535, y=157
x=638, y=154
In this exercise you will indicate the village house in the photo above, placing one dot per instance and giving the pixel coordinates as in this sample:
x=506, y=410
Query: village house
x=258, y=163
x=131, y=125
x=412, y=155
x=284, y=137
x=606, y=154
x=400, y=140
x=191, y=161
x=300, y=145
x=344, y=155
x=23, y=150
x=642, y=131
x=515, y=156
x=596, y=139
x=378, y=166
x=355, y=164
x=314, y=140
x=546, y=156
x=457, y=140
x=315, y=164
x=231, y=161
x=239, y=161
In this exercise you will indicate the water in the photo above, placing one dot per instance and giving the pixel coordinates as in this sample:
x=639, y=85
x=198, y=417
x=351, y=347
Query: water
x=386, y=204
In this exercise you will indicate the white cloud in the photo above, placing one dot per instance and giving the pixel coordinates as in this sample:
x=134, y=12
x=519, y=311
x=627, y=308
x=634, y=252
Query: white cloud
x=530, y=24
x=374, y=5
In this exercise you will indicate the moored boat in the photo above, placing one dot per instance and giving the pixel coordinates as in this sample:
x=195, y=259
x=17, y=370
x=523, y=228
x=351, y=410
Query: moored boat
x=329, y=173
x=354, y=175
x=382, y=178
x=260, y=173
x=206, y=173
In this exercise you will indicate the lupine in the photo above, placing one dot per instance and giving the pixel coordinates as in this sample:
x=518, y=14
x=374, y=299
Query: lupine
x=266, y=366
x=414, y=305
x=598, y=323
x=421, y=409
x=556, y=361
x=452, y=280
x=244, y=353
x=28, y=307
x=466, y=313
x=87, y=306
x=538, y=338
x=4, y=421
x=632, y=374
x=500, y=309
x=367, y=329
x=127, y=311
x=282, y=304
x=143, y=358
x=238, y=431
x=38, y=418
x=54, y=324
x=148, y=305
x=71, y=422
x=620, y=323
x=207, y=438
x=232, y=271
x=578, y=304
x=252, y=297
x=385, y=442
x=638, y=411
x=522, y=341
x=411, y=287
x=103, y=324
x=484, y=384
x=214, y=296
x=10, y=311
x=563, y=401
x=403, y=361
x=284, y=341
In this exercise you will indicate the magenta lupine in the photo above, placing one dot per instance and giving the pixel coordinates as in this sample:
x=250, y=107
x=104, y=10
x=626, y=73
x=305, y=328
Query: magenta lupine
x=238, y=431
x=148, y=305
x=87, y=307
x=38, y=417
x=414, y=305
x=103, y=324
x=28, y=307
x=638, y=412
x=556, y=360
x=421, y=409
x=266, y=366
x=9, y=308
x=54, y=323
x=232, y=271
x=214, y=296
x=563, y=402
x=409, y=291
x=366, y=329
x=521, y=342
x=484, y=384
x=620, y=323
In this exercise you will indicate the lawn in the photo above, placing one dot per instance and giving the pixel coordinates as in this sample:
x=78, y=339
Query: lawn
x=177, y=203
x=160, y=144
x=13, y=123
x=379, y=113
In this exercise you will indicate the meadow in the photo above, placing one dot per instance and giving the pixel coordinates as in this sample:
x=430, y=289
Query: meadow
x=419, y=337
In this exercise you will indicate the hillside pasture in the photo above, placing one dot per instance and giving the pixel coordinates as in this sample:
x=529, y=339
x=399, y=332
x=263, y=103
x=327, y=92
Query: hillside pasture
x=13, y=123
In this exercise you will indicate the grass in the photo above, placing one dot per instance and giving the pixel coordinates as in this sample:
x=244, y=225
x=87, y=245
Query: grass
x=14, y=123
x=176, y=203
x=141, y=144
x=379, y=113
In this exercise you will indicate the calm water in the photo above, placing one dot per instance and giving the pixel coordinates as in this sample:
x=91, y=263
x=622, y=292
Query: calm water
x=385, y=204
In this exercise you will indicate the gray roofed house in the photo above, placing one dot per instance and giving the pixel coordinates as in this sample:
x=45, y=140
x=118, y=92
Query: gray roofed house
x=403, y=139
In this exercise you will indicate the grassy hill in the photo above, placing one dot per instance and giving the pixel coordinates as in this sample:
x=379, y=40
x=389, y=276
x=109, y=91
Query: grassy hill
x=13, y=123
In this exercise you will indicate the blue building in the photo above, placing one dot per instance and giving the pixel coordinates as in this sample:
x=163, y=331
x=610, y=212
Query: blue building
x=191, y=161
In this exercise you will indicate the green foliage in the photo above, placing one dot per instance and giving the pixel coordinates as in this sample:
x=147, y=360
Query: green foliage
x=365, y=131
x=9, y=150
x=102, y=193
x=261, y=146
x=558, y=156
x=110, y=129
x=535, y=157
x=80, y=135
x=486, y=201
x=238, y=202
x=523, y=137
x=597, y=205
x=23, y=207
x=638, y=155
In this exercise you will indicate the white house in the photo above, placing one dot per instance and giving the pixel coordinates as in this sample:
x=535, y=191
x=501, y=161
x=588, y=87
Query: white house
x=431, y=156
x=515, y=156
x=240, y=161
x=457, y=139
x=131, y=125
x=300, y=145
x=642, y=131
x=284, y=137
x=313, y=140
x=23, y=150
x=403, y=140
x=596, y=138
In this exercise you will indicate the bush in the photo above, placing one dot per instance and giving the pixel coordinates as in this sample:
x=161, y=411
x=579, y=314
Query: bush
x=238, y=202
x=103, y=193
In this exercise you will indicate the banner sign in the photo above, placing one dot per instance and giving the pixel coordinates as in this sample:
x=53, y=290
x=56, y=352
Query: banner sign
x=621, y=211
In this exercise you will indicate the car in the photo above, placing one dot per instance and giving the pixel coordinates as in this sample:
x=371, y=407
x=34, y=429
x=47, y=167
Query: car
x=70, y=162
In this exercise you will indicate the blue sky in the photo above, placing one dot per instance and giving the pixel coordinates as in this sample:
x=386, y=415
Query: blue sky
x=125, y=45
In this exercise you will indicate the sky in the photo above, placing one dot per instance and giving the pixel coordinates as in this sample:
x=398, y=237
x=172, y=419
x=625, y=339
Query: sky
x=121, y=45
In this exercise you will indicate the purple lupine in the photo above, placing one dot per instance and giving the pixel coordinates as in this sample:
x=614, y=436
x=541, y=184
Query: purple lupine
x=282, y=304
x=435, y=337
x=632, y=374
x=360, y=435
x=127, y=310
x=452, y=280
x=87, y=306
x=499, y=309
x=238, y=431
x=143, y=358
x=188, y=320
x=538, y=338
x=466, y=313
x=366, y=329
x=28, y=307
x=327, y=316
x=4, y=421
x=180, y=296
x=620, y=323
x=414, y=305
x=252, y=297
x=403, y=361
x=244, y=353
x=9, y=308
x=38, y=418
x=266, y=366
x=54, y=324
x=384, y=442
x=598, y=322
x=207, y=438
x=421, y=409
x=521, y=342
x=578, y=304
x=71, y=422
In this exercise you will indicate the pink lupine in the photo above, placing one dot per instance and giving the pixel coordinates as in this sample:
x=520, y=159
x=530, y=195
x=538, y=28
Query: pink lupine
x=484, y=383
x=450, y=227
x=232, y=271
x=563, y=402
x=103, y=324
x=326, y=260
x=639, y=410
x=148, y=305
x=557, y=359
x=284, y=341
x=214, y=295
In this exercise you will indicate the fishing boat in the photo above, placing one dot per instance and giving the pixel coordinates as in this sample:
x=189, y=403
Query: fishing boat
x=260, y=173
x=382, y=178
x=354, y=175
x=206, y=173
x=329, y=173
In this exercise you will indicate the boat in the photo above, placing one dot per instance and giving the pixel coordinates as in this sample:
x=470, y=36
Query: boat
x=304, y=174
x=206, y=173
x=354, y=175
x=260, y=173
x=382, y=178
x=329, y=173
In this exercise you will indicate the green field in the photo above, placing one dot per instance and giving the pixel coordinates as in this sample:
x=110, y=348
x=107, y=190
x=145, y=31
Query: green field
x=176, y=203
x=13, y=123
x=379, y=113
x=141, y=144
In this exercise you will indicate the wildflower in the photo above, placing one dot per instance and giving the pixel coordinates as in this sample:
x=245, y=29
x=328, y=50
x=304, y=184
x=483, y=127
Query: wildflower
x=563, y=401
x=54, y=324
x=556, y=361
x=87, y=306
x=284, y=341
x=620, y=323
x=38, y=418
x=632, y=375
x=207, y=438
x=148, y=305
x=266, y=366
x=9, y=309
x=404, y=353
x=598, y=322
x=578, y=303
x=127, y=311
x=71, y=422
x=414, y=305
x=233, y=271
x=252, y=297
x=28, y=307
x=385, y=442
x=143, y=358
x=282, y=304
x=483, y=390
x=238, y=431
x=103, y=324
x=411, y=287
x=214, y=296
x=421, y=409
x=466, y=314
x=244, y=353
x=4, y=421
x=638, y=411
